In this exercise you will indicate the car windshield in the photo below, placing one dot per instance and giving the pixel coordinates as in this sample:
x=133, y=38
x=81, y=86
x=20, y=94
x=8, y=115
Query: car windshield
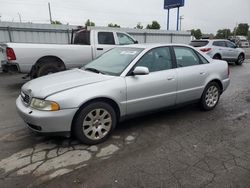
x=200, y=43
x=114, y=61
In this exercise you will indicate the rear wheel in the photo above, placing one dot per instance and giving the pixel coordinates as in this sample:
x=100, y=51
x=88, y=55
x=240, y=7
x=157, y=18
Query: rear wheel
x=240, y=59
x=47, y=68
x=210, y=96
x=217, y=56
x=94, y=123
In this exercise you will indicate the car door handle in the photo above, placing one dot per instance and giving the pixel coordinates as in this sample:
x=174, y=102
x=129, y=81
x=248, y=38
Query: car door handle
x=99, y=48
x=170, y=78
x=202, y=73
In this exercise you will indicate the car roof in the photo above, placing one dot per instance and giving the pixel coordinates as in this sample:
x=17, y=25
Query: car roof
x=153, y=45
x=197, y=40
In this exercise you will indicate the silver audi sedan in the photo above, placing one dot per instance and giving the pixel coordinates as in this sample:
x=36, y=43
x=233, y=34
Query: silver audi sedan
x=125, y=81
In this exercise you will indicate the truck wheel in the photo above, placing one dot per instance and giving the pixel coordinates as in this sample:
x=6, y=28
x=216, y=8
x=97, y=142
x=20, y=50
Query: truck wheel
x=94, y=123
x=240, y=59
x=47, y=68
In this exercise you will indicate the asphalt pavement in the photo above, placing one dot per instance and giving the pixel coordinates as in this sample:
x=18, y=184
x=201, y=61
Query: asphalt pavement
x=184, y=147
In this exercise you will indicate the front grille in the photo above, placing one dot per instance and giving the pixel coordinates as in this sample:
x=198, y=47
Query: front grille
x=25, y=98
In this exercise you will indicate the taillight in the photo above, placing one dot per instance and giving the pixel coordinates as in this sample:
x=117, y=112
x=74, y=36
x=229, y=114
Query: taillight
x=205, y=49
x=228, y=71
x=10, y=54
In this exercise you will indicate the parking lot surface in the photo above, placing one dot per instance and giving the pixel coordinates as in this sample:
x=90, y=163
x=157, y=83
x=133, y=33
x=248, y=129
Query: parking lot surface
x=184, y=147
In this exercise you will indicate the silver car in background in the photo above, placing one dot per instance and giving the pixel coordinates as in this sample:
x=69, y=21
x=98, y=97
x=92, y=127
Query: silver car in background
x=124, y=81
x=220, y=49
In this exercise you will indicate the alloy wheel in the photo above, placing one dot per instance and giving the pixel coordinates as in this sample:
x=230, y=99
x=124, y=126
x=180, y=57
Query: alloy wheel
x=97, y=124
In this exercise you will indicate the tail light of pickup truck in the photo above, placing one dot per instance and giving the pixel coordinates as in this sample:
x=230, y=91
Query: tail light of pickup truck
x=10, y=54
x=205, y=49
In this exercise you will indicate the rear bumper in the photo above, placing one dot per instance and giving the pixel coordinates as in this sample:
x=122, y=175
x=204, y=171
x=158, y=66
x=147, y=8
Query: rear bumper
x=46, y=122
x=225, y=83
x=9, y=66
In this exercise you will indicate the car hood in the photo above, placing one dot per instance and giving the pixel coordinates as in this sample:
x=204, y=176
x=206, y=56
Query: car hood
x=48, y=85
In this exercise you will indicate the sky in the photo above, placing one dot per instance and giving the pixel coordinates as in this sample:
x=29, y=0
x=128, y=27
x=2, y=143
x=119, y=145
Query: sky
x=207, y=15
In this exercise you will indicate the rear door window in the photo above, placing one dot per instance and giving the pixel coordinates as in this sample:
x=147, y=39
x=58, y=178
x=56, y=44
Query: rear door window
x=185, y=57
x=106, y=38
x=219, y=43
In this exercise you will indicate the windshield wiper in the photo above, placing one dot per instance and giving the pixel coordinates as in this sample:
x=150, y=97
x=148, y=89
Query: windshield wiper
x=94, y=70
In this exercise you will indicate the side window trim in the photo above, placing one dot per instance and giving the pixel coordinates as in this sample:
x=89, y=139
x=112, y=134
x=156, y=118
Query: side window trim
x=171, y=58
x=106, y=32
x=121, y=33
x=194, y=52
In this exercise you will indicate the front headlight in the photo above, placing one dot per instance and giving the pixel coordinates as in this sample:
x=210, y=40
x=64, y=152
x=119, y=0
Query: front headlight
x=44, y=105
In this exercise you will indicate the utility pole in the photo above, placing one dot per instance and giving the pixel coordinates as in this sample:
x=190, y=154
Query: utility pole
x=181, y=18
x=50, y=17
x=178, y=13
x=20, y=19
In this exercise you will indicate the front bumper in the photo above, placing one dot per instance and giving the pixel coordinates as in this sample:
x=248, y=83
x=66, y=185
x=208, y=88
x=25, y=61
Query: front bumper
x=46, y=121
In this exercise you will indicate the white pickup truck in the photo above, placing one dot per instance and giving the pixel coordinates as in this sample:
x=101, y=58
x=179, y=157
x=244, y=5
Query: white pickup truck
x=41, y=59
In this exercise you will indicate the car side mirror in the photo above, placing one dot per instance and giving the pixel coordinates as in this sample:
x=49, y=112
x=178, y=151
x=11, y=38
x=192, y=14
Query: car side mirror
x=136, y=42
x=140, y=71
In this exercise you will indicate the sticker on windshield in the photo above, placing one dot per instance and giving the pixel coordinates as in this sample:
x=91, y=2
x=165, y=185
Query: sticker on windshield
x=128, y=52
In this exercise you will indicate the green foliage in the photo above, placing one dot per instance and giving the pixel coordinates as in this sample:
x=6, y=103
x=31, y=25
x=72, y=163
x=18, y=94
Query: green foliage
x=56, y=22
x=248, y=35
x=113, y=25
x=89, y=23
x=139, y=26
x=242, y=29
x=223, y=34
x=196, y=33
x=154, y=25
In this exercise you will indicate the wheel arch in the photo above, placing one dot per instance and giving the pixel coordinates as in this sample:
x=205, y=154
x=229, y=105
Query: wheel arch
x=218, y=82
x=46, y=59
x=99, y=99
x=242, y=53
x=217, y=54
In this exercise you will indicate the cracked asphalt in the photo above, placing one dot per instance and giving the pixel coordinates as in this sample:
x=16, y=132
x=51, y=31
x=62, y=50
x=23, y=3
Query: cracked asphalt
x=184, y=147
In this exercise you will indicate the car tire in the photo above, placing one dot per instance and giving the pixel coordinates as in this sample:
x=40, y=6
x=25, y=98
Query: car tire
x=94, y=123
x=217, y=56
x=240, y=59
x=47, y=68
x=210, y=96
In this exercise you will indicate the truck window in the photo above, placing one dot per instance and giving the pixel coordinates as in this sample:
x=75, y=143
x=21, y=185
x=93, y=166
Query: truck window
x=82, y=37
x=124, y=39
x=106, y=38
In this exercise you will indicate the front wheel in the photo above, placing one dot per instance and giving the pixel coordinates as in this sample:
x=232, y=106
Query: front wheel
x=94, y=123
x=240, y=59
x=210, y=96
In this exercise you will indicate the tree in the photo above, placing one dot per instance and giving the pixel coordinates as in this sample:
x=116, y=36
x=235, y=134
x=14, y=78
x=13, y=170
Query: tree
x=242, y=29
x=154, y=25
x=113, y=25
x=139, y=26
x=56, y=22
x=223, y=34
x=248, y=35
x=89, y=23
x=196, y=33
